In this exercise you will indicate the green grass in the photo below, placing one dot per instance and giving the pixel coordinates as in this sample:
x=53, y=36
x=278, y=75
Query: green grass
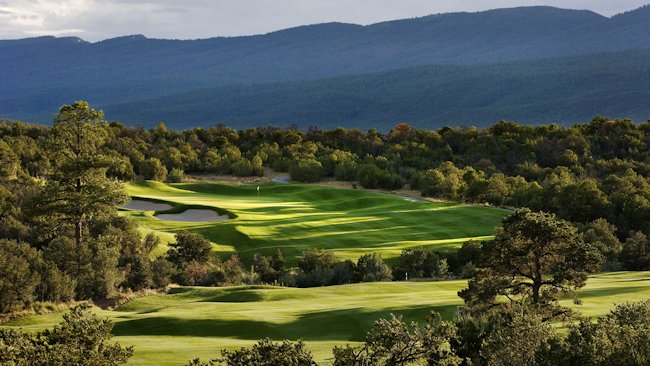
x=193, y=322
x=297, y=217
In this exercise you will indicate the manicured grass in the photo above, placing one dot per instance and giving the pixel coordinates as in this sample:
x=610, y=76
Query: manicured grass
x=297, y=217
x=193, y=322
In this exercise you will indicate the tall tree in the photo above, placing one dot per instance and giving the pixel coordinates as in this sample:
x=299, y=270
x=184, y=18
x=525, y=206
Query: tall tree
x=534, y=259
x=77, y=190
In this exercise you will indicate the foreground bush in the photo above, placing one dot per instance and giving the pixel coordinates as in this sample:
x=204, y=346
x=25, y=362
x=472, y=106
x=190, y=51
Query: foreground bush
x=81, y=339
x=264, y=353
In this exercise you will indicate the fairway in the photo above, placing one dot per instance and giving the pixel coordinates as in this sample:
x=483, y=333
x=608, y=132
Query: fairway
x=297, y=217
x=191, y=322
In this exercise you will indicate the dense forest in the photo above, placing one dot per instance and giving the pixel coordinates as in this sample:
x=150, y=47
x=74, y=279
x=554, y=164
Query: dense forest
x=538, y=91
x=581, y=193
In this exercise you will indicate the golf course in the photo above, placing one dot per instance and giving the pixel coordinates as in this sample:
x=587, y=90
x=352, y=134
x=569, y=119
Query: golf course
x=197, y=322
x=295, y=217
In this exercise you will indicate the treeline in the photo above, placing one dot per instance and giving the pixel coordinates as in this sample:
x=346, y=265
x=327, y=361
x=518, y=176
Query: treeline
x=190, y=262
x=582, y=173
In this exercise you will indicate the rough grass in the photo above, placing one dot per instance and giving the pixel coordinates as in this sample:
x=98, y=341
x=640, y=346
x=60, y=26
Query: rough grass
x=297, y=217
x=191, y=322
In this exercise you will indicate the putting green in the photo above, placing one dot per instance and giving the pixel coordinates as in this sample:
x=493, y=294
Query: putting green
x=297, y=217
x=197, y=322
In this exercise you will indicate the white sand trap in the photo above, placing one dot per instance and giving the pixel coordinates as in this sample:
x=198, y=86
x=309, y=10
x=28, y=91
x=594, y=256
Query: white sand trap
x=142, y=205
x=194, y=215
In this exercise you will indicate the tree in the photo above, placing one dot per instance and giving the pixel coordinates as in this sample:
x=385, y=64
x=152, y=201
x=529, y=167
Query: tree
x=314, y=258
x=636, y=252
x=306, y=170
x=601, y=235
x=17, y=279
x=9, y=161
x=534, y=259
x=264, y=353
x=519, y=338
x=189, y=247
x=153, y=169
x=81, y=339
x=391, y=342
x=175, y=176
x=78, y=190
x=619, y=338
x=372, y=268
x=162, y=271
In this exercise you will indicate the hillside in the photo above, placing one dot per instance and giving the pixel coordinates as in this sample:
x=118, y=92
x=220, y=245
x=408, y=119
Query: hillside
x=40, y=74
x=572, y=89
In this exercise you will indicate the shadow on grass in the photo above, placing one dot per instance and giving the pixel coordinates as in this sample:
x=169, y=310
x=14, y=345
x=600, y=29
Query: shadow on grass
x=610, y=291
x=339, y=325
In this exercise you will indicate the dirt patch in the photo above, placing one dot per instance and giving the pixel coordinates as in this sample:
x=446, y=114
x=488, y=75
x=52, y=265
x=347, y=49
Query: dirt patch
x=194, y=215
x=142, y=205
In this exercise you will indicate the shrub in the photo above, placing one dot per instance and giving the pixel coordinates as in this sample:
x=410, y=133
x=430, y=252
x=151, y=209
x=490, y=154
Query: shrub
x=372, y=268
x=176, y=176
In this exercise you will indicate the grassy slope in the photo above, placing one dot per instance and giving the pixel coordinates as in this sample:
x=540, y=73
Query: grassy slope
x=298, y=217
x=191, y=322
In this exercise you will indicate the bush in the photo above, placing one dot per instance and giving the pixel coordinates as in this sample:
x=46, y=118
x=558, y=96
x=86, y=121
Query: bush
x=162, y=272
x=81, y=339
x=153, y=169
x=18, y=280
x=371, y=268
x=306, y=170
x=264, y=353
x=176, y=176
x=315, y=258
x=189, y=247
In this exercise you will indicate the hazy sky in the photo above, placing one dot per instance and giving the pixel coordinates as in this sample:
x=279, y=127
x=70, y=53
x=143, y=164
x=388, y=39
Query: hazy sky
x=95, y=20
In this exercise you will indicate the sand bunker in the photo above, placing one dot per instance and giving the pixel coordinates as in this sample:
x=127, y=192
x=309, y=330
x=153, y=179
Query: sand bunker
x=194, y=215
x=142, y=205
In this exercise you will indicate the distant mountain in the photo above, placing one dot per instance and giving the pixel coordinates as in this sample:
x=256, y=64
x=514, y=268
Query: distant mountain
x=39, y=74
x=563, y=90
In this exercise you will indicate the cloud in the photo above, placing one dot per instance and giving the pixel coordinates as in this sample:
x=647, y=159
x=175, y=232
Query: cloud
x=100, y=19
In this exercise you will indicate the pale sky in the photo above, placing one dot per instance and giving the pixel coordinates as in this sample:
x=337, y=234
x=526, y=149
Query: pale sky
x=95, y=20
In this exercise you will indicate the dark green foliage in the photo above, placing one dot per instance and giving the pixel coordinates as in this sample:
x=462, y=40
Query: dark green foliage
x=314, y=258
x=601, y=235
x=371, y=268
x=636, y=252
x=519, y=338
x=306, y=170
x=264, y=353
x=533, y=260
x=391, y=342
x=18, y=280
x=81, y=339
x=620, y=338
x=189, y=247
x=419, y=263
x=162, y=271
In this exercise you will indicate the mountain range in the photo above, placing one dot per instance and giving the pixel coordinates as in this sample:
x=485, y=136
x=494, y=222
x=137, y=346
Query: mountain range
x=532, y=64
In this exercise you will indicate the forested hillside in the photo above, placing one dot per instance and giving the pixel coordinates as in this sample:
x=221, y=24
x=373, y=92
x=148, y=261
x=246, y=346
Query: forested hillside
x=40, y=74
x=567, y=90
